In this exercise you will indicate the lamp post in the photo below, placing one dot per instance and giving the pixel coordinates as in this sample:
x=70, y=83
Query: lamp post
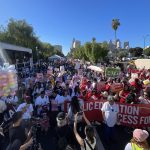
x=145, y=37
x=37, y=54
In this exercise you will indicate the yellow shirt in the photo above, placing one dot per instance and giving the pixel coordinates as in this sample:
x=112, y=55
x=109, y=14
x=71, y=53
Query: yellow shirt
x=135, y=147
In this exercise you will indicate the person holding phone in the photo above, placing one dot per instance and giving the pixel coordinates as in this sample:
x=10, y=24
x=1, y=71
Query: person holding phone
x=89, y=143
x=75, y=106
x=18, y=139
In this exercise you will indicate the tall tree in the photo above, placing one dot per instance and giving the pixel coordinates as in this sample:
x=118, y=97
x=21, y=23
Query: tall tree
x=20, y=33
x=122, y=53
x=115, y=25
x=93, y=40
x=88, y=50
x=136, y=52
x=147, y=51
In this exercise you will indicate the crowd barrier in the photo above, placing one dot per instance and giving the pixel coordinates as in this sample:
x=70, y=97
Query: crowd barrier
x=133, y=115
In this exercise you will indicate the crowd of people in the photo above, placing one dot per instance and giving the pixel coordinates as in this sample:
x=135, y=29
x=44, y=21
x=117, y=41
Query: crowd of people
x=41, y=96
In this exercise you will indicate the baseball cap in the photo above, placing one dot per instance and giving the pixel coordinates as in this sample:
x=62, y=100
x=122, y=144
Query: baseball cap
x=61, y=116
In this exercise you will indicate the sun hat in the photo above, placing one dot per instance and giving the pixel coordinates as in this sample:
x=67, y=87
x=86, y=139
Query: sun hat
x=140, y=135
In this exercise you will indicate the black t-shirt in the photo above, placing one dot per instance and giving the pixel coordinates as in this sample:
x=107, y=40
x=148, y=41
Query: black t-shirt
x=17, y=133
x=66, y=132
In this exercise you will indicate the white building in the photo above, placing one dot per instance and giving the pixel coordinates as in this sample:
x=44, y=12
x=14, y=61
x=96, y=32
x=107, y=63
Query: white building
x=76, y=43
x=118, y=44
x=126, y=45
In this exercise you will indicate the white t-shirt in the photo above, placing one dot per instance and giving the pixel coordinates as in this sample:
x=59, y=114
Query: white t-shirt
x=60, y=101
x=128, y=147
x=87, y=147
x=111, y=112
x=42, y=101
x=93, y=85
x=27, y=82
x=67, y=98
x=29, y=110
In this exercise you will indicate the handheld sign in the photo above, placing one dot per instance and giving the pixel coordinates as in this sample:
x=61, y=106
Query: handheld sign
x=116, y=87
x=134, y=75
x=39, y=76
x=62, y=68
x=112, y=72
x=80, y=72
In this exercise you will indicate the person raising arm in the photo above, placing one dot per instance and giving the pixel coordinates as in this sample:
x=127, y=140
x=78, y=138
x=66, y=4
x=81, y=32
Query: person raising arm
x=89, y=142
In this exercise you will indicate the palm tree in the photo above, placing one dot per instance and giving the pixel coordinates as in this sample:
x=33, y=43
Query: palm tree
x=93, y=40
x=115, y=25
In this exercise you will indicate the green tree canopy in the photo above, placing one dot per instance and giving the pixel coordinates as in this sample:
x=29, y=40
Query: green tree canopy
x=147, y=51
x=19, y=32
x=91, y=51
x=122, y=53
x=115, y=25
x=136, y=52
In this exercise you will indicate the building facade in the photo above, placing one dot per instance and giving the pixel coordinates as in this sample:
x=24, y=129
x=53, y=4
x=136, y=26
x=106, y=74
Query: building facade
x=76, y=43
x=126, y=45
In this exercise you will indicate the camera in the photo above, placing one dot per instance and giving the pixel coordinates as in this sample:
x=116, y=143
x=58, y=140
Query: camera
x=34, y=132
x=80, y=113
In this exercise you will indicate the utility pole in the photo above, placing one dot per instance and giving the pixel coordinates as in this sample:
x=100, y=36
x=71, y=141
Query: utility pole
x=145, y=37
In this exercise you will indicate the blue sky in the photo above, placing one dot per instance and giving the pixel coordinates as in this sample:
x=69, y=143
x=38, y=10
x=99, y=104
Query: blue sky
x=59, y=21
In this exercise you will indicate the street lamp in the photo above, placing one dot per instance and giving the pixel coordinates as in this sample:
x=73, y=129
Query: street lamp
x=145, y=37
x=37, y=54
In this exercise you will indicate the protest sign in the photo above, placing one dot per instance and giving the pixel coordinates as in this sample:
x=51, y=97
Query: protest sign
x=49, y=72
x=134, y=75
x=50, y=68
x=80, y=72
x=62, y=68
x=101, y=86
x=133, y=115
x=56, y=69
x=77, y=66
x=39, y=76
x=116, y=87
x=112, y=72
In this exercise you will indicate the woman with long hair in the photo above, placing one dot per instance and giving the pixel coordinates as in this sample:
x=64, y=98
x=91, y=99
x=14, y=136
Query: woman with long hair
x=124, y=93
x=139, y=140
x=75, y=106
x=89, y=142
